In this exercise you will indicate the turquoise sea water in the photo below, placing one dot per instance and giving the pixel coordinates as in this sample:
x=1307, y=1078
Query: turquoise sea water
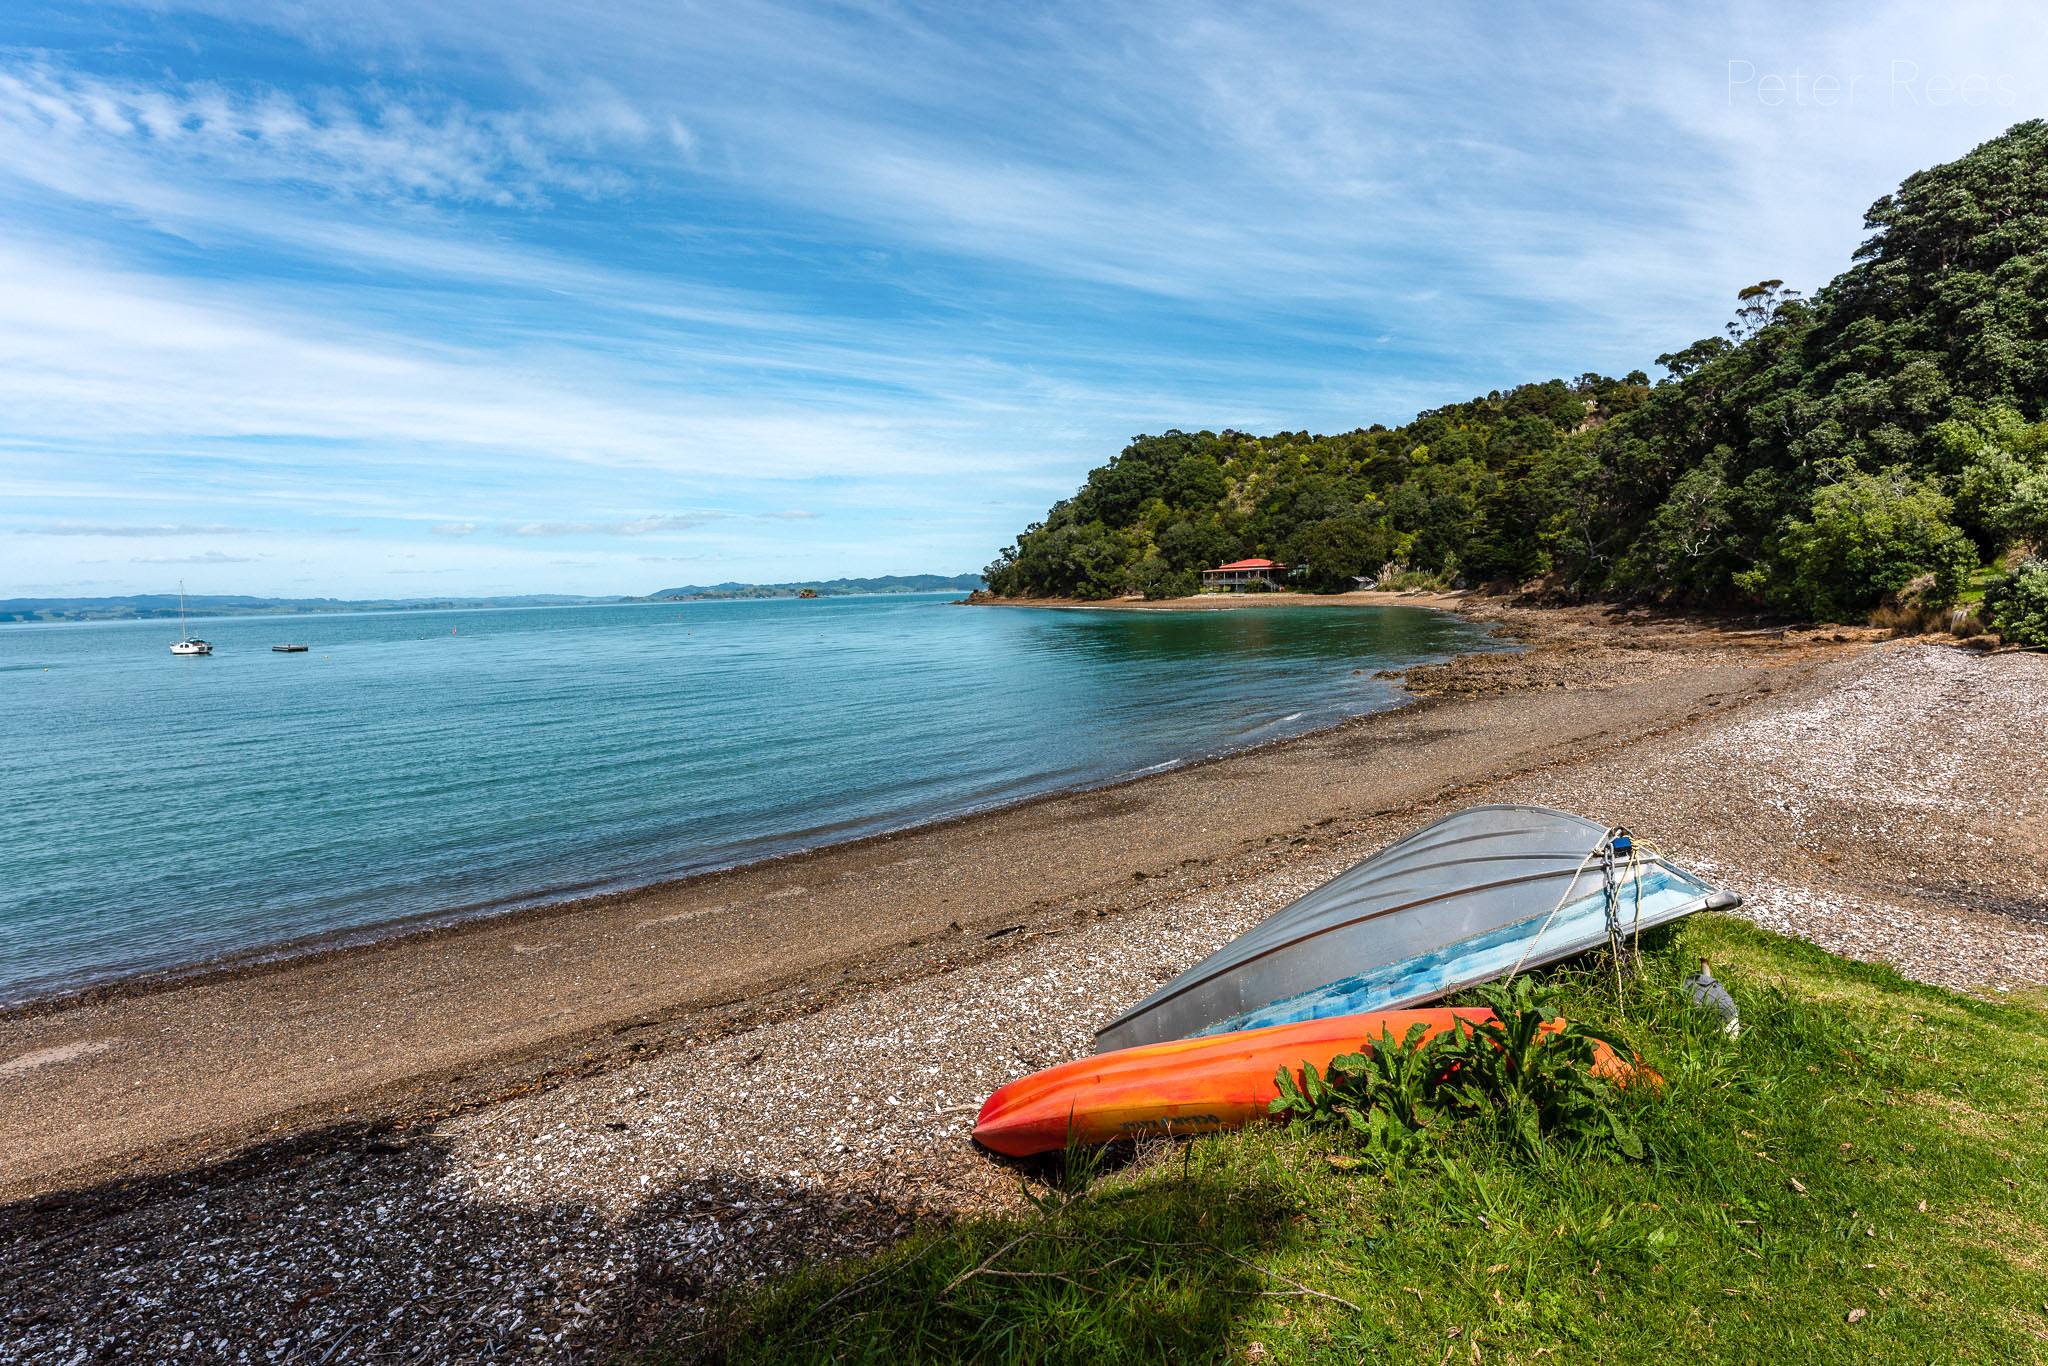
x=162, y=811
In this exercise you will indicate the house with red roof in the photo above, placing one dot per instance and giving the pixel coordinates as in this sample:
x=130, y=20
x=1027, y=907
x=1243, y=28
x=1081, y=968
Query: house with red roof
x=1239, y=575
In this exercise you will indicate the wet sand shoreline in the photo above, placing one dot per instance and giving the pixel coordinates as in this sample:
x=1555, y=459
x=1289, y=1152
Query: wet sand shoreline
x=1449, y=600
x=437, y=924
x=424, y=1025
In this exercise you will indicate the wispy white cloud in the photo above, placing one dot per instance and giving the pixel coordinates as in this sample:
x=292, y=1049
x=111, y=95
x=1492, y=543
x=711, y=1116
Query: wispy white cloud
x=365, y=142
x=93, y=353
x=97, y=529
x=638, y=526
x=205, y=557
x=454, y=528
x=501, y=259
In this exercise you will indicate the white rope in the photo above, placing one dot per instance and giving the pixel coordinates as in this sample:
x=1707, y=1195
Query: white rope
x=1635, y=862
x=1591, y=854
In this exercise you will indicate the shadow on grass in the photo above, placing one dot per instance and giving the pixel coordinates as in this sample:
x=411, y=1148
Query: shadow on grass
x=1161, y=1270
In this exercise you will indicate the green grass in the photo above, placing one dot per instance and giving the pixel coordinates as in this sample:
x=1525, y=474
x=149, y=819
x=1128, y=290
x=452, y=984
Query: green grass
x=1782, y=1192
x=1973, y=591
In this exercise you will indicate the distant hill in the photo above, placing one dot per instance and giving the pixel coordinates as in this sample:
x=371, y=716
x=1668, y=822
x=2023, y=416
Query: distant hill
x=829, y=588
x=143, y=606
x=156, y=606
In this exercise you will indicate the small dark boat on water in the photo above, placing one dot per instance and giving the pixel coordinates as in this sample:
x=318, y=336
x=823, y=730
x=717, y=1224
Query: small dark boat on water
x=1480, y=894
x=291, y=649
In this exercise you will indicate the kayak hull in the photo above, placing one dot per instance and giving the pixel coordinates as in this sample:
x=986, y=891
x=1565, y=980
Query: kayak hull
x=1182, y=1086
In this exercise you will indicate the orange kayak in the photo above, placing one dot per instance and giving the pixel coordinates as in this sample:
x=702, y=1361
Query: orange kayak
x=1182, y=1086
x=1191, y=1086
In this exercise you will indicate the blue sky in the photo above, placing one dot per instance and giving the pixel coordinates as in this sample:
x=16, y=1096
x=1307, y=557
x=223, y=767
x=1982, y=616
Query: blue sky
x=455, y=297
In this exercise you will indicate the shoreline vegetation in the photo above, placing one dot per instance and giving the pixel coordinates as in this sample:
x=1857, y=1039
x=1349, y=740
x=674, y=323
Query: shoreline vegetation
x=1447, y=600
x=1878, y=452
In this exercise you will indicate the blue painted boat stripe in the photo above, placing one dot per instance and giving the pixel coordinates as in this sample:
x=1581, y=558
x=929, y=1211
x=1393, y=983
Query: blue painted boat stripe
x=1425, y=976
x=1162, y=997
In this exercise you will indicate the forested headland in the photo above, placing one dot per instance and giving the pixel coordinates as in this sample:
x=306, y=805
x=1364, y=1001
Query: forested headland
x=1884, y=437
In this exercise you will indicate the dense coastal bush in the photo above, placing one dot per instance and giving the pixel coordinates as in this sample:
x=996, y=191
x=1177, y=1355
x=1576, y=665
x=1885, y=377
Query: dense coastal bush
x=1821, y=455
x=2017, y=604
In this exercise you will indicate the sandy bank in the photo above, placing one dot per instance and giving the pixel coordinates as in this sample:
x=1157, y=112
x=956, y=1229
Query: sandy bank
x=1217, y=602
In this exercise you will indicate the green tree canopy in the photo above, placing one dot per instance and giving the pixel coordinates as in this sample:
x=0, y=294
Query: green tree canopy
x=1822, y=452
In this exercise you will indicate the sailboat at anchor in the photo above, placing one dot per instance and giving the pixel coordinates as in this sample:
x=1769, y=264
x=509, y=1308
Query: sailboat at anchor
x=185, y=644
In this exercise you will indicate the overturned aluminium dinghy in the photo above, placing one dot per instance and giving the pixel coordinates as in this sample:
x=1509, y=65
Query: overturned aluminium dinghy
x=1472, y=897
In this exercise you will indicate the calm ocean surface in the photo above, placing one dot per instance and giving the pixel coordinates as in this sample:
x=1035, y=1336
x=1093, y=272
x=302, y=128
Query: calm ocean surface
x=161, y=811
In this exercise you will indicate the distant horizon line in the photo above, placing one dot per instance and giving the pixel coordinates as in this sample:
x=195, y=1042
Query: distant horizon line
x=22, y=609
x=191, y=596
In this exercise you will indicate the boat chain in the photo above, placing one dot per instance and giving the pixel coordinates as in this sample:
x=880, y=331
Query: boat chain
x=1611, y=887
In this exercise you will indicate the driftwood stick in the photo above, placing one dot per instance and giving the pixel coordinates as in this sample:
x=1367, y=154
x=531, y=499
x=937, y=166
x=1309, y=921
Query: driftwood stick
x=993, y=1258
x=1056, y=1275
x=1303, y=1289
x=871, y=1279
